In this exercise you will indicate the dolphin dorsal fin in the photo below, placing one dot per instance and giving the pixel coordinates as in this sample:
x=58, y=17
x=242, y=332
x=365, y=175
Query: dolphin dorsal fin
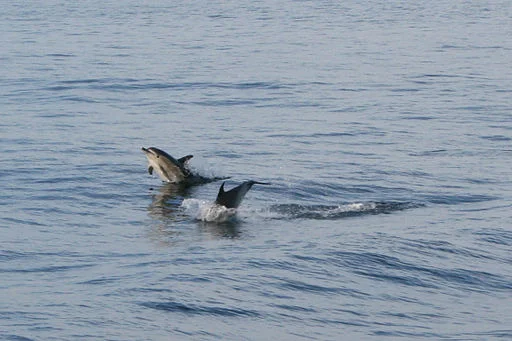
x=185, y=159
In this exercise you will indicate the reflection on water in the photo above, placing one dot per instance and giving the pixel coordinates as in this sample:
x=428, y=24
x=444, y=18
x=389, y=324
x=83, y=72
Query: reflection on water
x=228, y=229
x=166, y=213
x=166, y=202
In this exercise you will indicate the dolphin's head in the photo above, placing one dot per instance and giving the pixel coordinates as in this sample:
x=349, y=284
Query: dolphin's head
x=168, y=168
x=153, y=153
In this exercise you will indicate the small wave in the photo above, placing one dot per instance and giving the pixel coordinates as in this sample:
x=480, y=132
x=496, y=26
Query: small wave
x=13, y=337
x=199, y=310
x=207, y=211
x=56, y=268
x=393, y=269
x=131, y=84
x=495, y=236
x=448, y=199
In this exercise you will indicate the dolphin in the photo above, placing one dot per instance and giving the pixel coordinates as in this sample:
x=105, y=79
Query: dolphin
x=233, y=197
x=168, y=168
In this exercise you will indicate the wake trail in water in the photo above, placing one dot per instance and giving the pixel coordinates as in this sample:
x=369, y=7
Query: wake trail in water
x=332, y=212
x=210, y=212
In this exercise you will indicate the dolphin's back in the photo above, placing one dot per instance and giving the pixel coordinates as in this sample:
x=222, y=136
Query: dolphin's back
x=173, y=160
x=180, y=164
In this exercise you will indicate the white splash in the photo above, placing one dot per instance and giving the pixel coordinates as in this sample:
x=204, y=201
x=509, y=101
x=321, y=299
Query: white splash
x=207, y=211
x=203, y=168
x=355, y=207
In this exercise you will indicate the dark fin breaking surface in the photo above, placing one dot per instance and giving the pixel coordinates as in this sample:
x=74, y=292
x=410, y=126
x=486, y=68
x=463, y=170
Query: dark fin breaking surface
x=185, y=159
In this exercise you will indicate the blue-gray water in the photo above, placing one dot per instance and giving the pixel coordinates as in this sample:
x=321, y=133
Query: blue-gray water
x=385, y=128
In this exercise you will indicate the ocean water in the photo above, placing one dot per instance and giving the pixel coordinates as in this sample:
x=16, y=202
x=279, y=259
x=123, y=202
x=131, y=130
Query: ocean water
x=385, y=128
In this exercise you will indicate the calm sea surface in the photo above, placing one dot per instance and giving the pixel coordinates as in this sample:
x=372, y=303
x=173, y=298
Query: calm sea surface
x=385, y=128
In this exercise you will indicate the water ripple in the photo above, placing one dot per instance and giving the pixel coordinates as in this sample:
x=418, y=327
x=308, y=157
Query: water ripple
x=388, y=268
x=131, y=84
x=13, y=337
x=177, y=307
x=49, y=269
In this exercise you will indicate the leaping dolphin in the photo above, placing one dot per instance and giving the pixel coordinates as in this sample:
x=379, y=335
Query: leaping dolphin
x=233, y=197
x=168, y=168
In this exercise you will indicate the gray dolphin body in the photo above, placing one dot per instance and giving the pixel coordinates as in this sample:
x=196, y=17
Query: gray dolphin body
x=168, y=168
x=233, y=197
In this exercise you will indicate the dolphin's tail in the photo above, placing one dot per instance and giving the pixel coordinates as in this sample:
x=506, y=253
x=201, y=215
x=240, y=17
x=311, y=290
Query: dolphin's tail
x=233, y=197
